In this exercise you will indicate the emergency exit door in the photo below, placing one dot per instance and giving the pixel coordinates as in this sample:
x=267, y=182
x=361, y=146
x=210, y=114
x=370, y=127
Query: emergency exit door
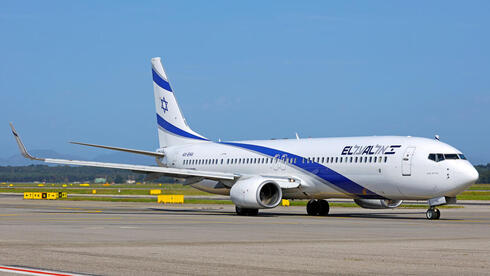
x=407, y=162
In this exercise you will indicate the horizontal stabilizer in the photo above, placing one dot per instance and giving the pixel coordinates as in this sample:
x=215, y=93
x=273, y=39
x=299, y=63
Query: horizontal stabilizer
x=144, y=152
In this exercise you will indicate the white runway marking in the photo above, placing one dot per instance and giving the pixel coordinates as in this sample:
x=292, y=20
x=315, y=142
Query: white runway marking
x=32, y=271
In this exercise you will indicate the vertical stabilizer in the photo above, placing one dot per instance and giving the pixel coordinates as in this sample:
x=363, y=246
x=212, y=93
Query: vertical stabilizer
x=172, y=127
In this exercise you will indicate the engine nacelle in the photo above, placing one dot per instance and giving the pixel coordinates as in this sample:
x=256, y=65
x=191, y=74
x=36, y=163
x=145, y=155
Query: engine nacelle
x=378, y=203
x=256, y=193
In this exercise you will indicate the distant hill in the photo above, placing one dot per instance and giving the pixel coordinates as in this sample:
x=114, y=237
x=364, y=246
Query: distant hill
x=19, y=160
x=64, y=174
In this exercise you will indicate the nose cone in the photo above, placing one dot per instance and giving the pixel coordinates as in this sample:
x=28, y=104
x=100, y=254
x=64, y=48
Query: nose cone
x=467, y=175
x=471, y=174
x=463, y=176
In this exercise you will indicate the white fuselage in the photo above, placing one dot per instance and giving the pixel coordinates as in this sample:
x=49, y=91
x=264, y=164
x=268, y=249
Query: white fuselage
x=390, y=167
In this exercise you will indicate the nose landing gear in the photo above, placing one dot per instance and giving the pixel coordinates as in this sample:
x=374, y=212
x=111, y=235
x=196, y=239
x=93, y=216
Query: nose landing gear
x=433, y=213
x=317, y=207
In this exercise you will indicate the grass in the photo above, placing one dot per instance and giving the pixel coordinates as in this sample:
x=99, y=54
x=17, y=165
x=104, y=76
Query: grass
x=480, y=187
x=474, y=195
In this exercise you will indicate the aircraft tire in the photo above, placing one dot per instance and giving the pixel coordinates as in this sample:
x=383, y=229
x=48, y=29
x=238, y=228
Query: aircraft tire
x=324, y=207
x=438, y=213
x=313, y=207
x=246, y=212
x=433, y=213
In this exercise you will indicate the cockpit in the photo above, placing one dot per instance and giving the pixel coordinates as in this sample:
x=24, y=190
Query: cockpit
x=438, y=157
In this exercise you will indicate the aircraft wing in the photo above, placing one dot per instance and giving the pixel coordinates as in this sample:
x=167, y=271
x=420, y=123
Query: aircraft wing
x=172, y=172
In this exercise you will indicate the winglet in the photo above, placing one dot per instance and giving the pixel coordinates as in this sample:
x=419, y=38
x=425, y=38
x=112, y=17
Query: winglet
x=22, y=148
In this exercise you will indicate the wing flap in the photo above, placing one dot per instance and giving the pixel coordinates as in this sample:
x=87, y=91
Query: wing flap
x=146, y=169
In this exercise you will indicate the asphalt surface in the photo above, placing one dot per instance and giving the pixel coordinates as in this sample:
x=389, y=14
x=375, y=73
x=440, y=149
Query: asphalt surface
x=113, y=238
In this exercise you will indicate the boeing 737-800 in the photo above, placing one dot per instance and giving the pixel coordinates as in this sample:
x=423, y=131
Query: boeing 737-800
x=376, y=172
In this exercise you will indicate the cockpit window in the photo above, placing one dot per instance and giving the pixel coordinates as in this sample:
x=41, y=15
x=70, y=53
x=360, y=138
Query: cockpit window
x=451, y=156
x=438, y=157
x=432, y=156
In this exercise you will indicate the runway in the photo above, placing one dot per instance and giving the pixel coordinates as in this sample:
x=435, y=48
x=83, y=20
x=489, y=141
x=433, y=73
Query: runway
x=109, y=238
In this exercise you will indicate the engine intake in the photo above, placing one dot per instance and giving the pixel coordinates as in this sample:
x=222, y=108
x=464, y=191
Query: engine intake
x=256, y=193
x=378, y=203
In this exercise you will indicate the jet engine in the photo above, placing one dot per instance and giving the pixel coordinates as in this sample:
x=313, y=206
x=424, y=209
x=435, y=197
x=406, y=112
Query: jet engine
x=256, y=193
x=378, y=203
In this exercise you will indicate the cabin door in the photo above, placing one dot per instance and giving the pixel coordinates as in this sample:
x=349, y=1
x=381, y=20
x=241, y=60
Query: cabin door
x=407, y=161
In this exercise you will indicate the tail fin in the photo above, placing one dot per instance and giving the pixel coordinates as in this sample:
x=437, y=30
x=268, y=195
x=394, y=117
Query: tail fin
x=172, y=127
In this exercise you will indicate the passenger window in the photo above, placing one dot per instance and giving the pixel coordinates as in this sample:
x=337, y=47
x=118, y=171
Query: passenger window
x=386, y=158
x=370, y=159
x=355, y=159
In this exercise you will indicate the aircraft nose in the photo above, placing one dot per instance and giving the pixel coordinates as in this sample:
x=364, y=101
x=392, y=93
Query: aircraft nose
x=465, y=176
x=471, y=174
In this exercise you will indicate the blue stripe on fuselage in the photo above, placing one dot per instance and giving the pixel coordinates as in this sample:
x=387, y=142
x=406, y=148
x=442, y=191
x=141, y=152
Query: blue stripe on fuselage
x=161, y=82
x=175, y=130
x=317, y=169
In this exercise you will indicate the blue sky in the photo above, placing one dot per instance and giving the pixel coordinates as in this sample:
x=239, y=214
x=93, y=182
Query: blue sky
x=80, y=70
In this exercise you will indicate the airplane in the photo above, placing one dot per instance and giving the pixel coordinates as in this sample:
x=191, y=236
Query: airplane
x=376, y=172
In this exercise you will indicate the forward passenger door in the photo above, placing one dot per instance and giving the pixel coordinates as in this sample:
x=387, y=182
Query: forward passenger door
x=407, y=161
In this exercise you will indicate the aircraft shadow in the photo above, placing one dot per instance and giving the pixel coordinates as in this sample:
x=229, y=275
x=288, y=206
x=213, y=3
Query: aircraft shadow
x=392, y=216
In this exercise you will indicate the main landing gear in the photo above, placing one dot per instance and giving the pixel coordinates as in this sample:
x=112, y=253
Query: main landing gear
x=433, y=213
x=317, y=207
x=246, y=212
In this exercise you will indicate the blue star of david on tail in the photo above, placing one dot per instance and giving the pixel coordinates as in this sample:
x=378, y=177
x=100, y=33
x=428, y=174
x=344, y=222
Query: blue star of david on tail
x=164, y=104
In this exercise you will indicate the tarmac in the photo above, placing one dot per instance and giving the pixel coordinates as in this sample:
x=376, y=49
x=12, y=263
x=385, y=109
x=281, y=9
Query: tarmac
x=114, y=238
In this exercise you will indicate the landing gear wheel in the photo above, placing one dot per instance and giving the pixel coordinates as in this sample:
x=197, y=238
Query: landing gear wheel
x=313, y=207
x=246, y=212
x=438, y=213
x=317, y=207
x=324, y=207
x=433, y=213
